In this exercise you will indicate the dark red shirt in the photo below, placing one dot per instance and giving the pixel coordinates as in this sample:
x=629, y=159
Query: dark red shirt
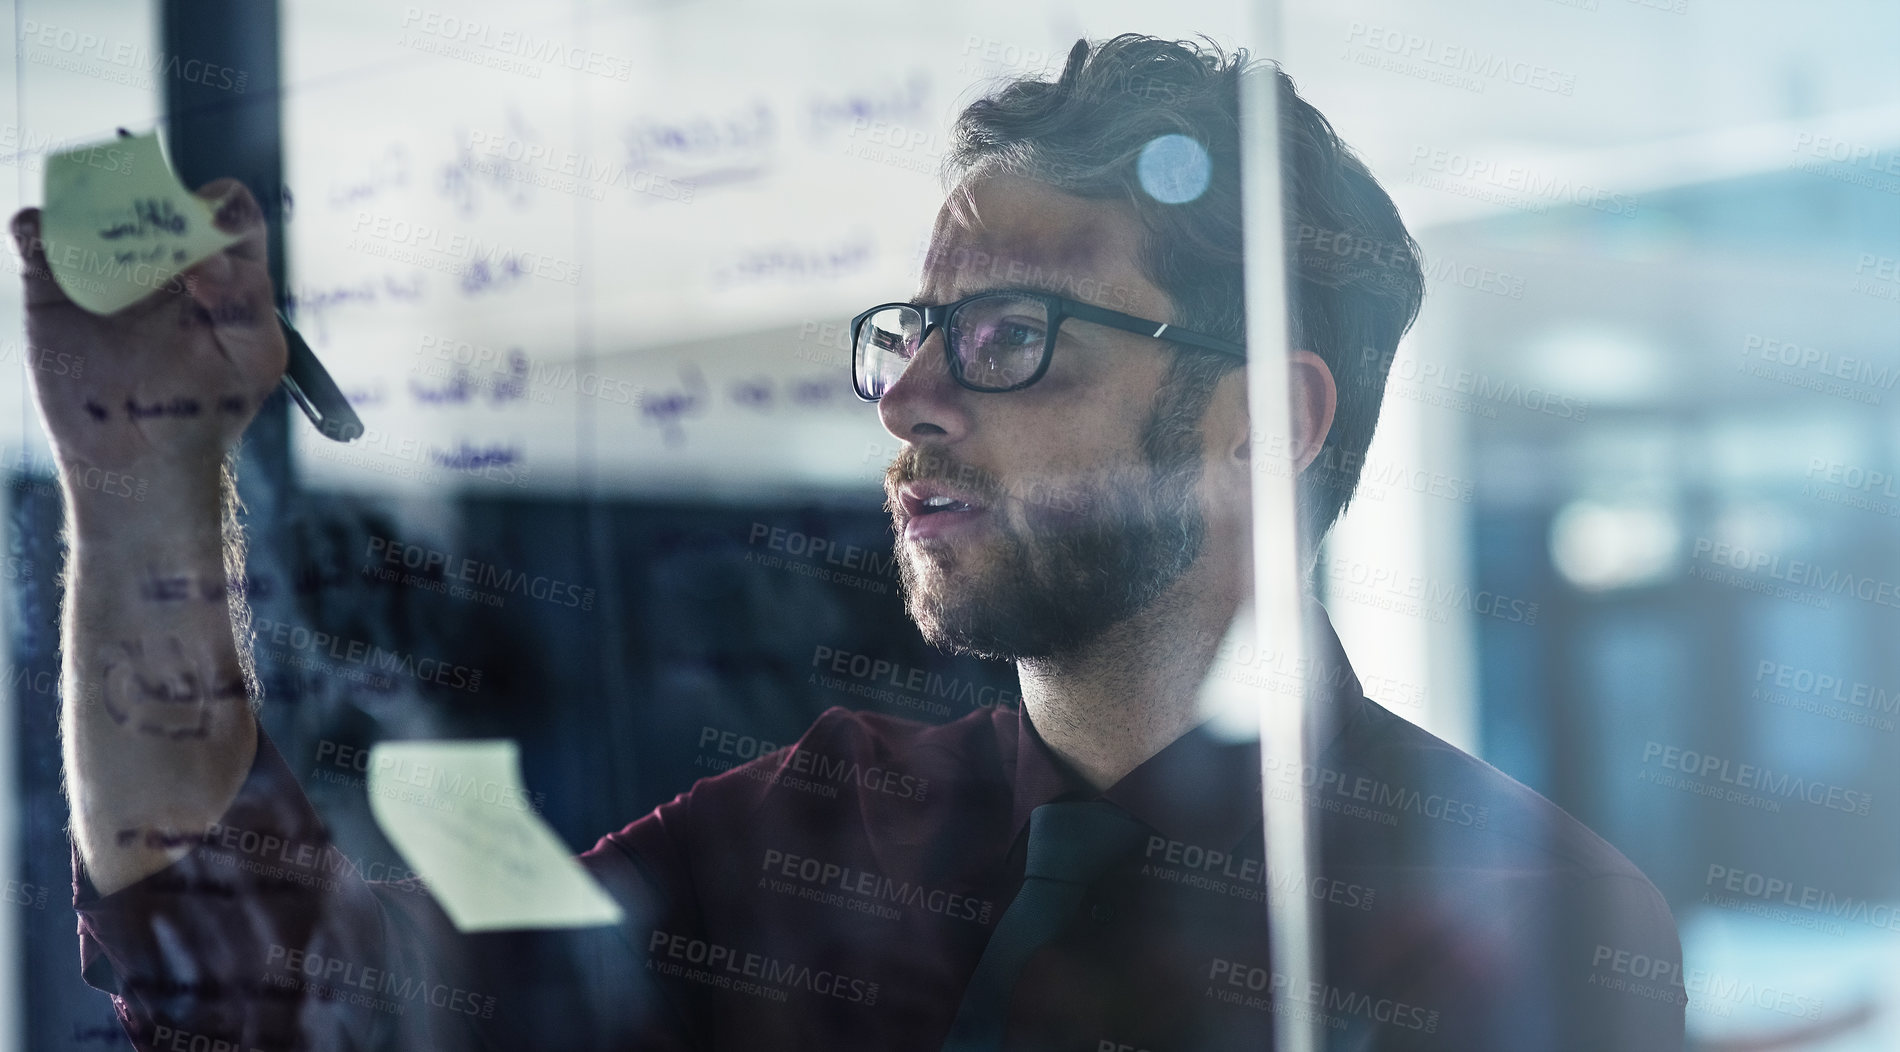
x=838, y=893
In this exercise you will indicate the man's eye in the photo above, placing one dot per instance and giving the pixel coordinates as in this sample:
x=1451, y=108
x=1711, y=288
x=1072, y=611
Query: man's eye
x=1017, y=333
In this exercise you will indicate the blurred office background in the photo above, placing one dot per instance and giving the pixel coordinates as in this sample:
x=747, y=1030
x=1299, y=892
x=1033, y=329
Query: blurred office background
x=1630, y=522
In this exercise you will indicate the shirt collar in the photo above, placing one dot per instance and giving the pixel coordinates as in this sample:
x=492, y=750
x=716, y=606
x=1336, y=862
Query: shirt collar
x=1199, y=789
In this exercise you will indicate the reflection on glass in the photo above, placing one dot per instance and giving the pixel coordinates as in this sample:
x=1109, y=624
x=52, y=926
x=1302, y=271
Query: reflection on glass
x=928, y=723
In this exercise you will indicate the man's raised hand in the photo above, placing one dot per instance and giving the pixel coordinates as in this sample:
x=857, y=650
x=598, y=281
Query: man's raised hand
x=162, y=389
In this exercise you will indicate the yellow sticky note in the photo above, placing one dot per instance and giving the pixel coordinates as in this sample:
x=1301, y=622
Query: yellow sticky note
x=459, y=815
x=118, y=225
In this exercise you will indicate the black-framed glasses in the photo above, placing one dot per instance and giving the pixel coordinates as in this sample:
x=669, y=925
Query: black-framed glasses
x=995, y=341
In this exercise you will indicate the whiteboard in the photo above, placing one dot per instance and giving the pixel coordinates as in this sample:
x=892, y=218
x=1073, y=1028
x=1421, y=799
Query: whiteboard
x=615, y=248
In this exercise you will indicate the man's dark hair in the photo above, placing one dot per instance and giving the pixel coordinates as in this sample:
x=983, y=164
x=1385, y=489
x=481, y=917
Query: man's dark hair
x=1355, y=280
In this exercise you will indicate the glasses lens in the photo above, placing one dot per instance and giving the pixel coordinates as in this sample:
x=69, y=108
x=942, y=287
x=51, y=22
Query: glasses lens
x=886, y=342
x=1000, y=340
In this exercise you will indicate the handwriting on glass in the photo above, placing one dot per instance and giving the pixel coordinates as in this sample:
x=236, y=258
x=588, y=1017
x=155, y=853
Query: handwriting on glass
x=173, y=704
x=463, y=386
x=183, y=587
x=181, y=407
x=468, y=457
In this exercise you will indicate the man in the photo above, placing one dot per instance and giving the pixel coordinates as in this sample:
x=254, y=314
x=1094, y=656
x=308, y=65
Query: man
x=1071, y=494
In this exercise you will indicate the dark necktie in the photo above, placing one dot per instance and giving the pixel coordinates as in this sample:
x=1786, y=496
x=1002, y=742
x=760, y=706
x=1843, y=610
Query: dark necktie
x=1069, y=846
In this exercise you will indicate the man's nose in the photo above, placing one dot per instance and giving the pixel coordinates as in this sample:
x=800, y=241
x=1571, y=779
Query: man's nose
x=926, y=402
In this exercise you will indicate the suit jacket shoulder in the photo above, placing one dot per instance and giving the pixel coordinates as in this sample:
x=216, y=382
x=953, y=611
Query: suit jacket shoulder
x=1497, y=908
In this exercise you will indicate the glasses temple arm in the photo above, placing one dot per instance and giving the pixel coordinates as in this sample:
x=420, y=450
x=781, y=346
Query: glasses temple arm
x=1159, y=330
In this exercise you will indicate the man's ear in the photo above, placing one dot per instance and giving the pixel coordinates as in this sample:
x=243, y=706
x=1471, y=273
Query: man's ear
x=1226, y=422
x=1314, y=397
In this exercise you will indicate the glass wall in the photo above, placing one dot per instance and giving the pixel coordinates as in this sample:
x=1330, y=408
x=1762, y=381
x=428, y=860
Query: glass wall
x=1626, y=533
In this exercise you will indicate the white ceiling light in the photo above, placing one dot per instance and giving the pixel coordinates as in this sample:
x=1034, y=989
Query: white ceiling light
x=1600, y=547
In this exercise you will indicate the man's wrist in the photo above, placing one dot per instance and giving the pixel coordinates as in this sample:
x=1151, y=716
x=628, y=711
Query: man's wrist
x=153, y=508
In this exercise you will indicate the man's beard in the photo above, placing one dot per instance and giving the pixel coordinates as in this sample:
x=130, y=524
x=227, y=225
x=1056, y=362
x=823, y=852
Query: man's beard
x=1099, y=550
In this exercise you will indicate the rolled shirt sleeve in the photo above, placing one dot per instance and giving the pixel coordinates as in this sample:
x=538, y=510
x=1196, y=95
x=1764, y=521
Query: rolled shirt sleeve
x=265, y=936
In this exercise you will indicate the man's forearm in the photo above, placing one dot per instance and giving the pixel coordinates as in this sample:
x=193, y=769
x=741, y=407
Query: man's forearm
x=157, y=724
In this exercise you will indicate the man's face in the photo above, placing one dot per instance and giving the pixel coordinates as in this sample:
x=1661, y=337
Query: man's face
x=1082, y=488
